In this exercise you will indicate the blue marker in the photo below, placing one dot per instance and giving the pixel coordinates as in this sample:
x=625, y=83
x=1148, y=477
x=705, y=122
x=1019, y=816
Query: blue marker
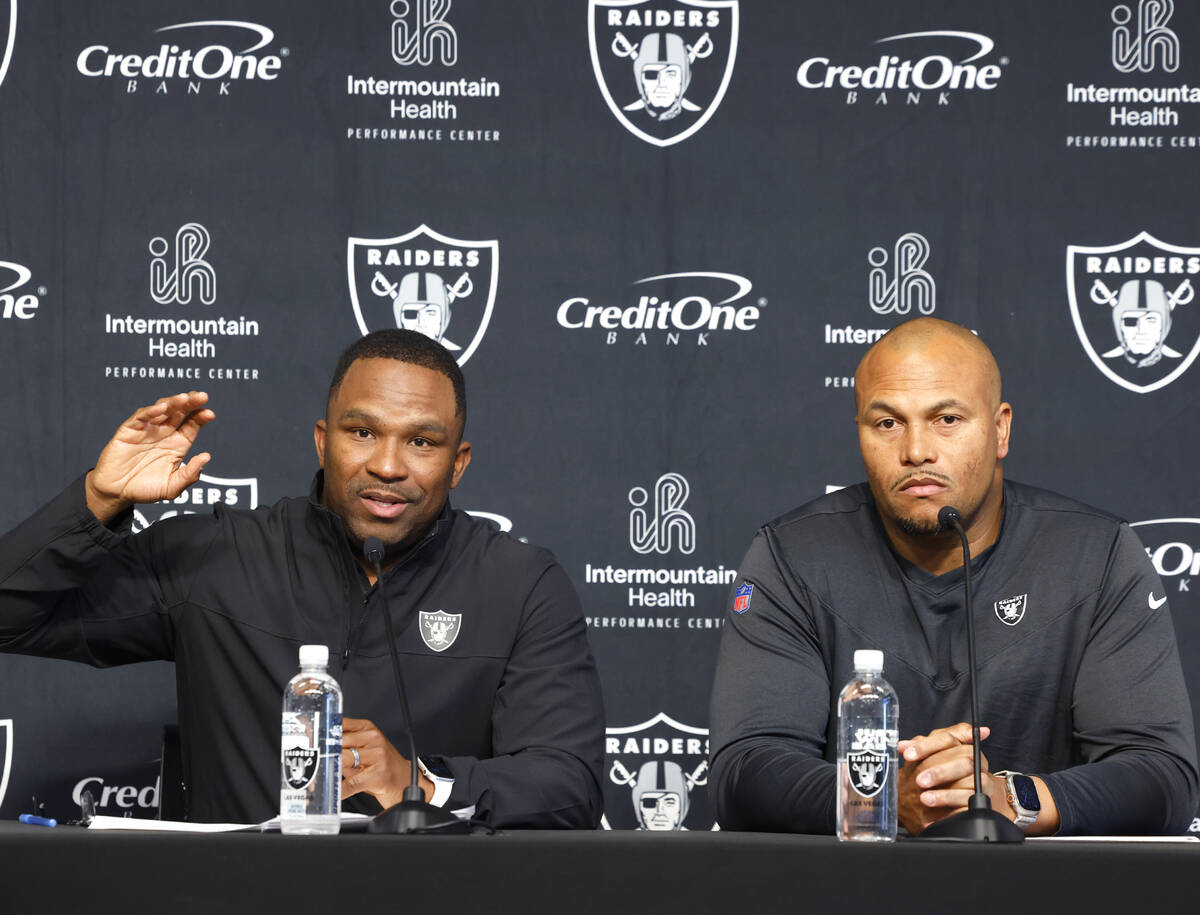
x=30, y=820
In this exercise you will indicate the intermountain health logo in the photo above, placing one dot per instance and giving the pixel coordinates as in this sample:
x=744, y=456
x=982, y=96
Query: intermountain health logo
x=8, y=35
x=1144, y=47
x=182, y=337
x=201, y=496
x=416, y=104
x=663, y=531
x=657, y=773
x=663, y=67
x=1134, y=310
x=192, y=58
x=441, y=286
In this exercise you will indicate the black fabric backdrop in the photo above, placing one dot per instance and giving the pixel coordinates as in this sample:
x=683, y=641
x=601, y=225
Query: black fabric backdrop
x=273, y=178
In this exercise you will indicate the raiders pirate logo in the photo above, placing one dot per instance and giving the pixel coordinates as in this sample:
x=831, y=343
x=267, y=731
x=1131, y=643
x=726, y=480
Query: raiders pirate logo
x=441, y=286
x=299, y=766
x=199, y=497
x=868, y=772
x=654, y=769
x=1134, y=309
x=1011, y=610
x=439, y=629
x=663, y=65
x=6, y=754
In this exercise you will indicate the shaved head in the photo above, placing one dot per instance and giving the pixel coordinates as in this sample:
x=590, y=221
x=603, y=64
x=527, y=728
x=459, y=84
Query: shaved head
x=931, y=336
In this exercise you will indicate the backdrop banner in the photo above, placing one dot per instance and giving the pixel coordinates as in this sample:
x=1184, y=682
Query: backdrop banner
x=657, y=234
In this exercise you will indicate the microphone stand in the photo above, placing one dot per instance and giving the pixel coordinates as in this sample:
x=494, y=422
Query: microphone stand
x=979, y=822
x=413, y=814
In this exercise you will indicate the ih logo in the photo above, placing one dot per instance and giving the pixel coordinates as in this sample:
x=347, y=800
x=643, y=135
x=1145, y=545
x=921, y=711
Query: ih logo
x=908, y=285
x=439, y=629
x=1132, y=307
x=6, y=754
x=653, y=768
x=420, y=33
x=185, y=272
x=425, y=281
x=658, y=532
x=200, y=496
x=1147, y=42
x=663, y=67
x=8, y=34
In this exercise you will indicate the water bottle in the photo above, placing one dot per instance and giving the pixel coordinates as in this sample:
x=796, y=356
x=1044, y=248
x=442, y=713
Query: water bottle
x=868, y=714
x=310, y=794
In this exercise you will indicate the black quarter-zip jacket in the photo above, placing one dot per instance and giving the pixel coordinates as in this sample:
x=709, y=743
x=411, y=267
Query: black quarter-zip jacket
x=513, y=704
x=1079, y=681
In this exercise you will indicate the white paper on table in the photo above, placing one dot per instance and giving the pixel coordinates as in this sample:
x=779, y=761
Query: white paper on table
x=1168, y=839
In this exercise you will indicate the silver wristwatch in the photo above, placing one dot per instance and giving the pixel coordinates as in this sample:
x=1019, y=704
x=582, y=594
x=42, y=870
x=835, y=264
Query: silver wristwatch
x=1022, y=797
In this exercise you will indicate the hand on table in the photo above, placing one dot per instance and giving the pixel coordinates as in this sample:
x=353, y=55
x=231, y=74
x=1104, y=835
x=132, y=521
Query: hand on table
x=937, y=777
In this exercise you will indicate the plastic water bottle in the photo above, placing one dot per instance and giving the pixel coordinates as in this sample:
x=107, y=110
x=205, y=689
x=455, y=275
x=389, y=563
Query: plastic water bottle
x=868, y=713
x=310, y=795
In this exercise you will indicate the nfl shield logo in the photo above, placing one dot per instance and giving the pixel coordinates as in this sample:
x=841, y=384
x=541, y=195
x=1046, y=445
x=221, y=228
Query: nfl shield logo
x=741, y=597
x=439, y=629
x=441, y=286
x=868, y=772
x=663, y=65
x=1011, y=610
x=1134, y=310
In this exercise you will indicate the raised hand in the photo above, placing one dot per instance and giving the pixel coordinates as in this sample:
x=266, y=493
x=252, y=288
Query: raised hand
x=145, y=460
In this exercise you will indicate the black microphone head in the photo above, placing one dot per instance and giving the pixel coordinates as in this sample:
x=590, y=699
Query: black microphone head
x=373, y=550
x=949, y=518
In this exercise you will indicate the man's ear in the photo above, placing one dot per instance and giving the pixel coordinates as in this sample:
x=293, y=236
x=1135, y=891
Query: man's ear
x=319, y=441
x=461, y=459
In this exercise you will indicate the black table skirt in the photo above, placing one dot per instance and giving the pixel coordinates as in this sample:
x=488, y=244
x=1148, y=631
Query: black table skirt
x=71, y=869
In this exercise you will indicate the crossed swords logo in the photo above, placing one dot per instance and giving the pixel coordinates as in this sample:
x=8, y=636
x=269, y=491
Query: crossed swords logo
x=701, y=49
x=622, y=776
x=1183, y=294
x=462, y=288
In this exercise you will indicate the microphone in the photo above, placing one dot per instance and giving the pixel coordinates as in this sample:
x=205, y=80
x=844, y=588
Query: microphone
x=413, y=814
x=979, y=822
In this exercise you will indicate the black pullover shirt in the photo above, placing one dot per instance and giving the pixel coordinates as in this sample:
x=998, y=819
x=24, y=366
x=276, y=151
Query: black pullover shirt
x=1079, y=674
x=513, y=704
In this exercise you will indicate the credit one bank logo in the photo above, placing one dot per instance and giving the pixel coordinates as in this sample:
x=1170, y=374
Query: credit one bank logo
x=894, y=69
x=190, y=53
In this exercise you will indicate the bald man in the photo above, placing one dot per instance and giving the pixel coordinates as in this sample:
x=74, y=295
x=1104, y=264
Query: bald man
x=1087, y=728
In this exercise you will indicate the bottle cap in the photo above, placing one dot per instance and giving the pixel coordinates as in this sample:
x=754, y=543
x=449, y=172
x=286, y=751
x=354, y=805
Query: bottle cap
x=868, y=659
x=314, y=655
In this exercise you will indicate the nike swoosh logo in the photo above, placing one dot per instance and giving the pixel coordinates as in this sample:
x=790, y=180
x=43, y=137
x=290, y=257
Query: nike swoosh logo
x=1155, y=604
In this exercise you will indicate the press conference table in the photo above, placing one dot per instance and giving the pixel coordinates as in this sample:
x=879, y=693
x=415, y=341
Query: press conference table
x=71, y=869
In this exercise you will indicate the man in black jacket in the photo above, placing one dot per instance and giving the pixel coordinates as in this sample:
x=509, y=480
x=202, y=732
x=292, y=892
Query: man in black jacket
x=502, y=684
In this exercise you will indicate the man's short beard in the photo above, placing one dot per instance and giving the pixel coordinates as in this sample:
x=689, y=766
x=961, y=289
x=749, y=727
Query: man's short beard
x=915, y=528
